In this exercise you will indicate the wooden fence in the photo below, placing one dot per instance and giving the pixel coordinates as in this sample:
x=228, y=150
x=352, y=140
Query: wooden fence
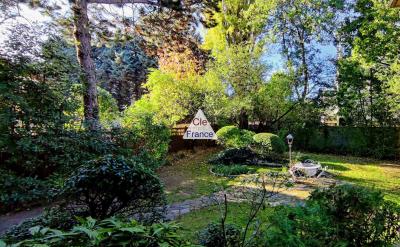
x=178, y=143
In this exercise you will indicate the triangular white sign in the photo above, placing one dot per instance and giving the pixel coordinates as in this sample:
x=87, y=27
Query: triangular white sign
x=200, y=128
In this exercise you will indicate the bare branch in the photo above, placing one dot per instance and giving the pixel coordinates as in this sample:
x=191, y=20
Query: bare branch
x=124, y=1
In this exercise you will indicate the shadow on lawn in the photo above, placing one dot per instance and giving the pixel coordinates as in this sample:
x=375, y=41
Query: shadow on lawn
x=335, y=166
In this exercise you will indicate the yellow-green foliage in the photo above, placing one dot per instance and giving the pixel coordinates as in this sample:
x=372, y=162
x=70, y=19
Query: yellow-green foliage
x=233, y=137
x=152, y=135
x=269, y=142
x=108, y=108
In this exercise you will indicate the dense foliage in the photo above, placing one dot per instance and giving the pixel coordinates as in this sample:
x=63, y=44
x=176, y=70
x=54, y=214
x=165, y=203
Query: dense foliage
x=233, y=137
x=374, y=142
x=233, y=156
x=265, y=143
x=19, y=192
x=113, y=185
x=56, y=218
x=345, y=215
x=212, y=235
x=361, y=216
x=108, y=232
x=369, y=82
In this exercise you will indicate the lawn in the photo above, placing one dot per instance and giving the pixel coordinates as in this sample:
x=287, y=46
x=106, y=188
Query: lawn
x=383, y=175
x=195, y=180
x=195, y=221
x=188, y=176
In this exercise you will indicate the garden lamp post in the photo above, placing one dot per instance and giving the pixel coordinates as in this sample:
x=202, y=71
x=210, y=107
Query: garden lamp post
x=289, y=139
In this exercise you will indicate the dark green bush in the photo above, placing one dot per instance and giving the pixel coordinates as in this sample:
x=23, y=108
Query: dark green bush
x=246, y=156
x=111, y=185
x=378, y=142
x=233, y=137
x=299, y=226
x=18, y=192
x=234, y=156
x=345, y=215
x=52, y=218
x=213, y=235
x=361, y=215
x=109, y=232
x=230, y=170
x=265, y=143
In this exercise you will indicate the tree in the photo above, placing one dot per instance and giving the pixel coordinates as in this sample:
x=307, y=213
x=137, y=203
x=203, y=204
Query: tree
x=84, y=53
x=122, y=68
x=369, y=77
x=169, y=33
x=272, y=101
x=236, y=44
x=302, y=26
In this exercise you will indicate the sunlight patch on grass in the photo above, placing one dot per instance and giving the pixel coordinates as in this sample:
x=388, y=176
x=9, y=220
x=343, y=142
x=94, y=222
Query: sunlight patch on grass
x=197, y=220
x=366, y=172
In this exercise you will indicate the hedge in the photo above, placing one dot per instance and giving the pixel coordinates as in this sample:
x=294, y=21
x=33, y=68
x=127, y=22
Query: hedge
x=383, y=142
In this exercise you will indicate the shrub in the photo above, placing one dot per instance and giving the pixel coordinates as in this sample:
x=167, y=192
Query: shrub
x=265, y=143
x=108, y=232
x=299, y=226
x=153, y=136
x=245, y=156
x=231, y=170
x=378, y=142
x=234, y=156
x=361, y=215
x=52, y=218
x=213, y=235
x=111, y=185
x=345, y=215
x=17, y=192
x=233, y=137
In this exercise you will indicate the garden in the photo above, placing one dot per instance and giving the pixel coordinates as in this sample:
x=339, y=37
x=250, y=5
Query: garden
x=216, y=123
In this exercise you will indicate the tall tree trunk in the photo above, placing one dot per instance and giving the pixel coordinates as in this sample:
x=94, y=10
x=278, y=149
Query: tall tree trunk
x=243, y=120
x=88, y=76
x=305, y=70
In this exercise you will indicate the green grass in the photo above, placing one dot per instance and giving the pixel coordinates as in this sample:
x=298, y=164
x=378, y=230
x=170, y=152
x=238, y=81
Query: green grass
x=366, y=172
x=189, y=177
x=197, y=220
x=194, y=180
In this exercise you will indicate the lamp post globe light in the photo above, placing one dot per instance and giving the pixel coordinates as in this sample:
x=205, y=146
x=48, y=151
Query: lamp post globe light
x=289, y=139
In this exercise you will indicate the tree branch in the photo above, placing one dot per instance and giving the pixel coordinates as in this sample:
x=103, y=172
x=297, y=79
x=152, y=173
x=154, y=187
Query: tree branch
x=124, y=1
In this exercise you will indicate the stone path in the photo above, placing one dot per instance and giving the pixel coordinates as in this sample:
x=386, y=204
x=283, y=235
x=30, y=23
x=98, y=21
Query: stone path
x=8, y=221
x=175, y=210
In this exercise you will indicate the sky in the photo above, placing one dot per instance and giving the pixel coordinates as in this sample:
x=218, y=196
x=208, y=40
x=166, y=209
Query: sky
x=28, y=16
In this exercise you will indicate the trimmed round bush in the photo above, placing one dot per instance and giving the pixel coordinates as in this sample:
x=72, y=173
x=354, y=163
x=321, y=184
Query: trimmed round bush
x=233, y=137
x=213, y=235
x=268, y=142
x=111, y=185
